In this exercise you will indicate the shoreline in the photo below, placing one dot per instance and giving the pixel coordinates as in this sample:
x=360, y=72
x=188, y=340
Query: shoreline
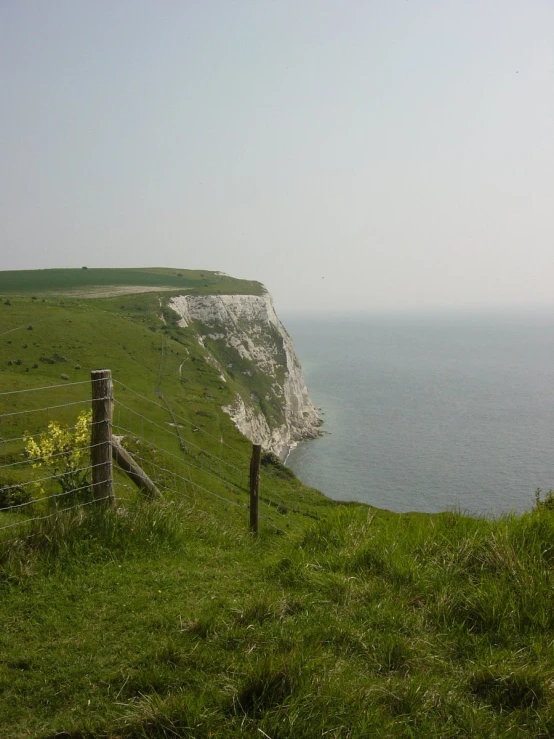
x=318, y=433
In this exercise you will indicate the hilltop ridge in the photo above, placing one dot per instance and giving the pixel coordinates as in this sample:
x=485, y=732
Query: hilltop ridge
x=80, y=282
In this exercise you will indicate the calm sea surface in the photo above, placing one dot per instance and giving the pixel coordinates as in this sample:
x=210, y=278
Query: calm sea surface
x=430, y=414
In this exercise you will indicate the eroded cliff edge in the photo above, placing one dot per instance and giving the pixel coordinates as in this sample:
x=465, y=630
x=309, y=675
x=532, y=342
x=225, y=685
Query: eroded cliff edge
x=253, y=352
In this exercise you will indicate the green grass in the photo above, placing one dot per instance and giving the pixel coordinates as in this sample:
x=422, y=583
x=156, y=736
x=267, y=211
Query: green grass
x=47, y=281
x=166, y=618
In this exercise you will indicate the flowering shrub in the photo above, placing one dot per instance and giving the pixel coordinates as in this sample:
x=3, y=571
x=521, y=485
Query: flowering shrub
x=65, y=454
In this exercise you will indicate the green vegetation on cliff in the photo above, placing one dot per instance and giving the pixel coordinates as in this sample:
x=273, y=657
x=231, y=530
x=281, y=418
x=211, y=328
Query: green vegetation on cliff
x=74, y=281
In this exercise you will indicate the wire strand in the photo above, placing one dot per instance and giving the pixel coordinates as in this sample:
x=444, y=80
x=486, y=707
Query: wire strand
x=187, y=462
x=51, y=477
x=48, y=497
x=56, y=513
x=194, y=484
x=48, y=387
x=39, y=461
x=36, y=435
x=177, y=415
x=48, y=408
x=190, y=443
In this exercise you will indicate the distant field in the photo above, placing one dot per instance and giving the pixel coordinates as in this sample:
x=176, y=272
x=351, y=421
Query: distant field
x=75, y=281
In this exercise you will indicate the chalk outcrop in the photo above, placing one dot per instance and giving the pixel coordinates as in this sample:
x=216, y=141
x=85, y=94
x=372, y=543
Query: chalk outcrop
x=252, y=350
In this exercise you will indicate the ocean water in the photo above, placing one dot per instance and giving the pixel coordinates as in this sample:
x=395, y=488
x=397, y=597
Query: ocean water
x=430, y=413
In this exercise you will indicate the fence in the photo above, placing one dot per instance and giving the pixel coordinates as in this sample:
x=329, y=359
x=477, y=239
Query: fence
x=28, y=493
x=87, y=475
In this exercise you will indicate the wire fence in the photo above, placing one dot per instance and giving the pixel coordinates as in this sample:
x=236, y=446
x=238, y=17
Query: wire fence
x=273, y=503
x=194, y=471
x=44, y=472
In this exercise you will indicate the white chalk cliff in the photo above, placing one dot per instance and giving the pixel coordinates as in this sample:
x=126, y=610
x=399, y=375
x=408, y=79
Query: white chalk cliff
x=251, y=348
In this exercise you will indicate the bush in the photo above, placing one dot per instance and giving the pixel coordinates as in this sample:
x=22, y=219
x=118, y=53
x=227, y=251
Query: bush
x=65, y=453
x=12, y=494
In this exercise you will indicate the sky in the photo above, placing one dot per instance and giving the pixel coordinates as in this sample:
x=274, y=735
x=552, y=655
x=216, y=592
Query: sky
x=354, y=156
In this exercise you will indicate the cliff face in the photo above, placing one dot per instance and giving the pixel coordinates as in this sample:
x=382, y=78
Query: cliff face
x=247, y=343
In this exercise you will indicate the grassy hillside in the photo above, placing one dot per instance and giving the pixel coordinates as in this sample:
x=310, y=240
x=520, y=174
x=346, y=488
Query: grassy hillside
x=48, y=281
x=167, y=619
x=160, y=372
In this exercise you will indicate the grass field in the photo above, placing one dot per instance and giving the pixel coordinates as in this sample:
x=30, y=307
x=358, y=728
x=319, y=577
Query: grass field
x=171, y=621
x=49, y=281
x=167, y=619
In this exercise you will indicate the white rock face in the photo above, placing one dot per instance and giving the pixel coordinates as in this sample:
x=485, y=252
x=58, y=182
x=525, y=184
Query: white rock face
x=249, y=325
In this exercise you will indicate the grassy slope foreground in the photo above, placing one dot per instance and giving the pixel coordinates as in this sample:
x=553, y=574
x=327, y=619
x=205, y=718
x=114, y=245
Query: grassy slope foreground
x=166, y=619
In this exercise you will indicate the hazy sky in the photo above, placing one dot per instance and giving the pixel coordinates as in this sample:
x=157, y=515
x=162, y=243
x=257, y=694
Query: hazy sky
x=351, y=155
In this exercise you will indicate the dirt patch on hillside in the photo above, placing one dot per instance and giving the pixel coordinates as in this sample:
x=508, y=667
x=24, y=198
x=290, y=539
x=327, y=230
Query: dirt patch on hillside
x=112, y=291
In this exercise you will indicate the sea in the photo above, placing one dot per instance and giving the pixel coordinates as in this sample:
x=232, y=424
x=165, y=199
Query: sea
x=430, y=413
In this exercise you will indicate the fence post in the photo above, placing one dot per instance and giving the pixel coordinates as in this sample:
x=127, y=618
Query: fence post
x=254, y=487
x=101, y=436
x=132, y=470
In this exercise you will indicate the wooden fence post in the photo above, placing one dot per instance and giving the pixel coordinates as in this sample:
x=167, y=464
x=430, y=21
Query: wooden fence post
x=101, y=435
x=132, y=470
x=254, y=487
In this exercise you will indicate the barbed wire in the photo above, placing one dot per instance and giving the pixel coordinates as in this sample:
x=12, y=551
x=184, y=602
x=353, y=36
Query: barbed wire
x=90, y=467
x=38, y=461
x=177, y=415
x=182, y=460
x=49, y=387
x=166, y=488
x=190, y=462
x=47, y=408
x=266, y=522
x=197, y=485
x=271, y=505
x=152, y=463
x=10, y=509
x=162, y=485
x=50, y=477
x=265, y=476
x=37, y=434
x=167, y=431
x=55, y=513
x=268, y=503
x=123, y=485
x=4, y=541
x=144, y=418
